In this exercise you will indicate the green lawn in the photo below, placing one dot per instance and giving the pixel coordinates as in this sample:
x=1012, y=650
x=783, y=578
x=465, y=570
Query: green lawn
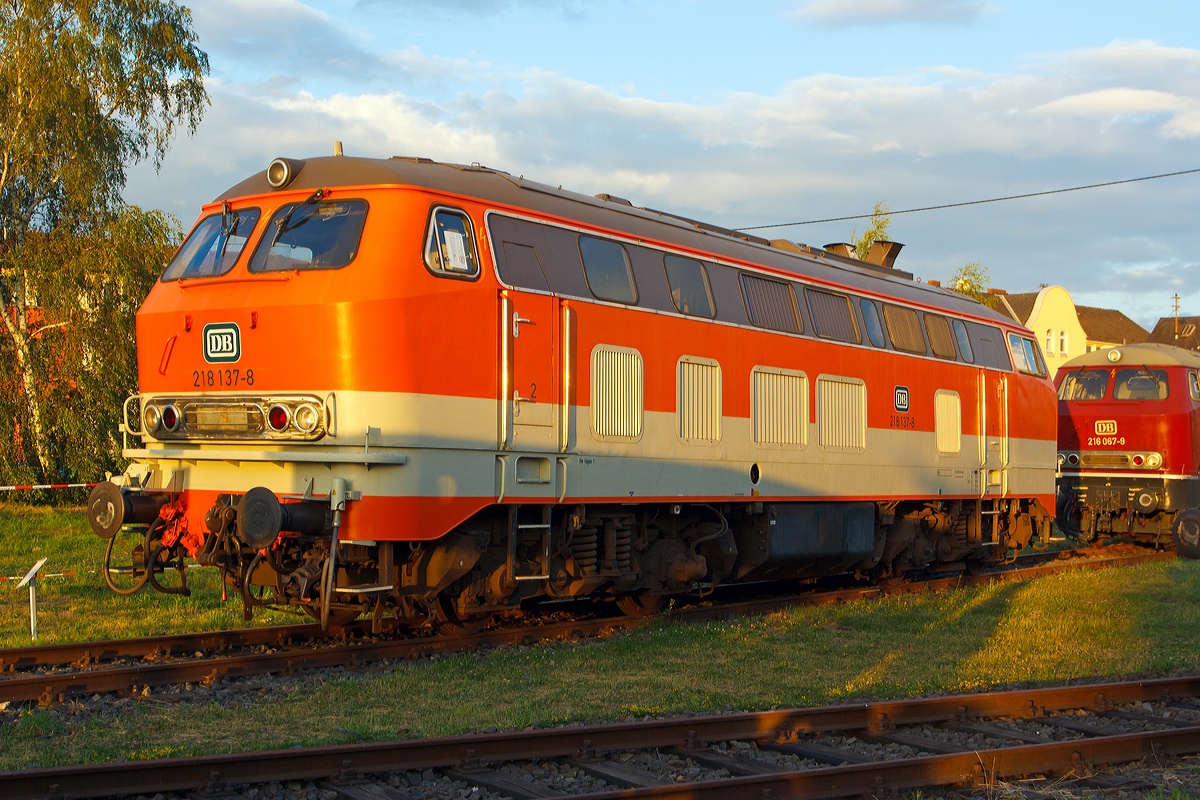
x=82, y=607
x=1142, y=620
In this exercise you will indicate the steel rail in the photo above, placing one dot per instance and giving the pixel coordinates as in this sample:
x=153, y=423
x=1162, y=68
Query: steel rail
x=979, y=768
x=21, y=658
x=90, y=651
x=48, y=688
x=473, y=751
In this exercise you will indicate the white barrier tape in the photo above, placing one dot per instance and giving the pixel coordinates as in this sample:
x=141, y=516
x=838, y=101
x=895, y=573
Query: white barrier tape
x=40, y=575
x=47, y=486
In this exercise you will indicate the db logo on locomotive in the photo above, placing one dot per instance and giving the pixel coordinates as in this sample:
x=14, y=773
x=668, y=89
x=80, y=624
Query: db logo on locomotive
x=222, y=342
x=1106, y=427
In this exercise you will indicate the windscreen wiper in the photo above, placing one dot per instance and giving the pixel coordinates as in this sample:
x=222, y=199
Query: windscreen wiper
x=1153, y=377
x=284, y=225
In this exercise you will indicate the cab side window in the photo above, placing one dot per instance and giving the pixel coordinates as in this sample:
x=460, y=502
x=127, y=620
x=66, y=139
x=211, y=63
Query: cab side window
x=449, y=245
x=1194, y=385
x=1026, y=356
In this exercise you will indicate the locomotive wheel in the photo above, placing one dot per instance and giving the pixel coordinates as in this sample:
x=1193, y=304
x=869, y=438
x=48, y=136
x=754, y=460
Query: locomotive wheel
x=1187, y=534
x=641, y=605
x=447, y=619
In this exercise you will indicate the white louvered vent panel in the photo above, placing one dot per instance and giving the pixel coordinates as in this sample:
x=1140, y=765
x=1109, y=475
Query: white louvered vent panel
x=698, y=407
x=842, y=413
x=616, y=392
x=948, y=422
x=780, y=408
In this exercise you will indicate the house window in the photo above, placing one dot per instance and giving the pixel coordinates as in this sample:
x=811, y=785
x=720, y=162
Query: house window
x=1050, y=342
x=1062, y=343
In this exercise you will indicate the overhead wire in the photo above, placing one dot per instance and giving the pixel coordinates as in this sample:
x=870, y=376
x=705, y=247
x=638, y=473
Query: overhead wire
x=974, y=202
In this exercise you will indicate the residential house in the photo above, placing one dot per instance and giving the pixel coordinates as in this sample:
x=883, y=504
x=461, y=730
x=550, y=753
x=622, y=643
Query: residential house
x=1177, y=331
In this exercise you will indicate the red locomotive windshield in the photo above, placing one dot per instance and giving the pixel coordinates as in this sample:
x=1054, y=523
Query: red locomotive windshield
x=1083, y=384
x=1140, y=384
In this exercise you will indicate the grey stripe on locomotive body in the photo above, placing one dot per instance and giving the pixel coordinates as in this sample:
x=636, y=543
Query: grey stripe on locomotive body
x=488, y=185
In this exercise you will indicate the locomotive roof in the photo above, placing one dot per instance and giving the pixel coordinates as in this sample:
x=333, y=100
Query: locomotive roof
x=1160, y=355
x=617, y=214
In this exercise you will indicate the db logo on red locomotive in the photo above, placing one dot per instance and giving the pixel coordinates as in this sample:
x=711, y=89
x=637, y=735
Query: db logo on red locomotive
x=1106, y=427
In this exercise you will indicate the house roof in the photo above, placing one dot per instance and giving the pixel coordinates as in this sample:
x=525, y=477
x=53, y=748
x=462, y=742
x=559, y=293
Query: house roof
x=1164, y=332
x=1018, y=306
x=1110, y=326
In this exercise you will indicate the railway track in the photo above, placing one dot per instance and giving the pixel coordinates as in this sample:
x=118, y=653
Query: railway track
x=56, y=673
x=974, y=740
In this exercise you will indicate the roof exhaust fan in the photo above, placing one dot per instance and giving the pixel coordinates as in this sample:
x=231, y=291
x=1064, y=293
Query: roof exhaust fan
x=283, y=171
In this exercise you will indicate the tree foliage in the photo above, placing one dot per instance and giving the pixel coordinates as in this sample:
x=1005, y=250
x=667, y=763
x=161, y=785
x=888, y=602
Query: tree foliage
x=87, y=88
x=972, y=280
x=881, y=221
x=82, y=340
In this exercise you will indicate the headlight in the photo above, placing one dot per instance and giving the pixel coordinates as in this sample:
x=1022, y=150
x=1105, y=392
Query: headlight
x=1061, y=459
x=152, y=417
x=306, y=418
x=1154, y=461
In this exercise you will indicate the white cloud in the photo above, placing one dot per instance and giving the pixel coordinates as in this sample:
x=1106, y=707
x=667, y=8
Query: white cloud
x=822, y=146
x=852, y=13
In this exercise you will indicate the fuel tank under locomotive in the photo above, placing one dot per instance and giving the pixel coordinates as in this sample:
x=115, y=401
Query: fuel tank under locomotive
x=288, y=554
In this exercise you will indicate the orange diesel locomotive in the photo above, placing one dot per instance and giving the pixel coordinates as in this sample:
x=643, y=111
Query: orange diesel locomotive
x=426, y=390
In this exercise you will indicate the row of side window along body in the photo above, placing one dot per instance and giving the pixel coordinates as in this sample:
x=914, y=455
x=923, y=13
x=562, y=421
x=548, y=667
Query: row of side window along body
x=450, y=245
x=213, y=246
x=548, y=258
x=306, y=236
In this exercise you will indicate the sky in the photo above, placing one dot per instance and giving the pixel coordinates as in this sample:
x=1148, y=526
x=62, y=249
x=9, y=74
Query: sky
x=753, y=113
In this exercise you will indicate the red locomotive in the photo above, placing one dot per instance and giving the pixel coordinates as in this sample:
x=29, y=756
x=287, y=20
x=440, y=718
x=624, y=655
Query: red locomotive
x=423, y=390
x=1128, y=441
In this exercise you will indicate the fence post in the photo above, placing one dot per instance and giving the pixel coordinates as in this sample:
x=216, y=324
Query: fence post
x=31, y=579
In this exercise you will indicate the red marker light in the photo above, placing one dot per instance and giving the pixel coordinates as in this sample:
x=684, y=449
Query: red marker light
x=1072, y=459
x=1138, y=461
x=277, y=418
x=170, y=418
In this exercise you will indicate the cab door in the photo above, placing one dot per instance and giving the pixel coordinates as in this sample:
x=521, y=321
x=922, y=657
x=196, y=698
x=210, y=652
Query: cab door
x=533, y=397
x=993, y=433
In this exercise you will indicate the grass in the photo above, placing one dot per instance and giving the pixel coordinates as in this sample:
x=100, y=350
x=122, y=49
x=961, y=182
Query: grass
x=1142, y=620
x=81, y=607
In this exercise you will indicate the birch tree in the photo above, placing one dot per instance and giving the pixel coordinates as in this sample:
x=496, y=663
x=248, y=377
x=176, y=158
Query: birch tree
x=87, y=89
x=881, y=221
